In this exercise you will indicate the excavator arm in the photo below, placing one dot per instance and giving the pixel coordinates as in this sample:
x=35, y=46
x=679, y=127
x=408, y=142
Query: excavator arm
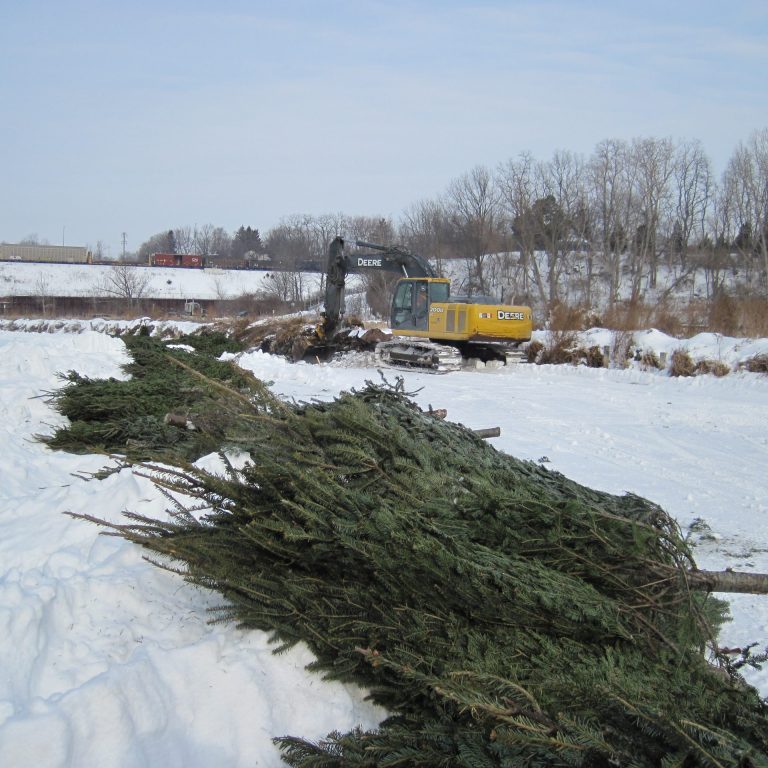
x=383, y=259
x=335, y=279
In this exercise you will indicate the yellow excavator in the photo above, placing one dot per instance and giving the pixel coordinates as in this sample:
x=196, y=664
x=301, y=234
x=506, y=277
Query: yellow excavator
x=430, y=328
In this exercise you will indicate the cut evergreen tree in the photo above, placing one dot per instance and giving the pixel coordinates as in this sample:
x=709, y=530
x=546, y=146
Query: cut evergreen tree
x=182, y=378
x=503, y=614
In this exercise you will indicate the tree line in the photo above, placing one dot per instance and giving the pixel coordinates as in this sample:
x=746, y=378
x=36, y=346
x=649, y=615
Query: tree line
x=609, y=223
x=635, y=218
x=208, y=240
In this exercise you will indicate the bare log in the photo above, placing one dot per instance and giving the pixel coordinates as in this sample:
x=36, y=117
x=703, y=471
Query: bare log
x=729, y=581
x=176, y=420
x=486, y=433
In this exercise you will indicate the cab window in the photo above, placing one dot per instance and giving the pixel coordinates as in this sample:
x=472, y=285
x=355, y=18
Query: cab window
x=402, y=304
x=438, y=292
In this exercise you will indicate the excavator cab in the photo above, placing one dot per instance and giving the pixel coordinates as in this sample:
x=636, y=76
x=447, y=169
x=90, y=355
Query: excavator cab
x=412, y=301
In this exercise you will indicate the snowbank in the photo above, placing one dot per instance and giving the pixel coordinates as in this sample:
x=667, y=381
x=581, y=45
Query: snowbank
x=713, y=347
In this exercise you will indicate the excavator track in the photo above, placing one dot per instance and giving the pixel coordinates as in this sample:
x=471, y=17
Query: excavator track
x=514, y=356
x=419, y=355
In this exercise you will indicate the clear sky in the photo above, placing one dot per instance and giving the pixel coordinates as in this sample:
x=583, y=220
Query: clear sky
x=147, y=115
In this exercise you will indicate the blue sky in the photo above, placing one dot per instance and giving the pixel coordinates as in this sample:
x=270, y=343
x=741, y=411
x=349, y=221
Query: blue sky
x=143, y=116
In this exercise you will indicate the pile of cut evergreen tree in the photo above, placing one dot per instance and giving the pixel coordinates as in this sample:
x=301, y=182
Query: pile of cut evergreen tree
x=503, y=614
x=179, y=402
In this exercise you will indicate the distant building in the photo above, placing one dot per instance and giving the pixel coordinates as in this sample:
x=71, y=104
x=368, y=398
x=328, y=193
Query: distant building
x=51, y=254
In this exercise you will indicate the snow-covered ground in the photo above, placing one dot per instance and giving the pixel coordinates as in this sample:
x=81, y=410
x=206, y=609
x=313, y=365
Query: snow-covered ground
x=107, y=660
x=86, y=280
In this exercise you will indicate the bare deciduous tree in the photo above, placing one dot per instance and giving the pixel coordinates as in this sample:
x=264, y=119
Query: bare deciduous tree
x=324, y=228
x=473, y=206
x=162, y=242
x=126, y=282
x=747, y=179
x=549, y=216
x=32, y=239
x=292, y=247
x=371, y=229
x=654, y=163
x=556, y=214
x=184, y=237
x=518, y=192
x=424, y=229
x=280, y=285
x=43, y=292
x=714, y=253
x=612, y=174
x=693, y=185
x=210, y=240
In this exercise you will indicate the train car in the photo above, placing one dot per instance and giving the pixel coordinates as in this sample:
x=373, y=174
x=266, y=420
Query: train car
x=225, y=262
x=163, y=260
x=187, y=260
x=191, y=260
x=49, y=254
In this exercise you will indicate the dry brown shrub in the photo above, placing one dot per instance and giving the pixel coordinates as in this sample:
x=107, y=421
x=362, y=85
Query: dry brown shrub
x=533, y=350
x=636, y=315
x=650, y=360
x=754, y=317
x=728, y=315
x=667, y=320
x=354, y=320
x=713, y=367
x=561, y=347
x=622, y=317
x=724, y=316
x=592, y=319
x=694, y=317
x=621, y=347
x=594, y=357
x=757, y=364
x=681, y=364
x=564, y=317
x=278, y=333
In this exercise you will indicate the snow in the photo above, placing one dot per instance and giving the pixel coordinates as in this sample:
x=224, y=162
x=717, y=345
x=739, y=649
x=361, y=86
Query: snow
x=84, y=280
x=108, y=660
x=713, y=347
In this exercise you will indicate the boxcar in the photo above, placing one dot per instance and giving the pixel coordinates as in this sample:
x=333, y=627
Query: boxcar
x=51, y=254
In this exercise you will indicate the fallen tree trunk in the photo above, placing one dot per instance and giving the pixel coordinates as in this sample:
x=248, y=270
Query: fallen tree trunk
x=489, y=432
x=729, y=581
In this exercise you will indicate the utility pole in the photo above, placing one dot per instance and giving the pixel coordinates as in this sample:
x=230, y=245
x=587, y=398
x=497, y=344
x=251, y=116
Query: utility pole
x=124, y=238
